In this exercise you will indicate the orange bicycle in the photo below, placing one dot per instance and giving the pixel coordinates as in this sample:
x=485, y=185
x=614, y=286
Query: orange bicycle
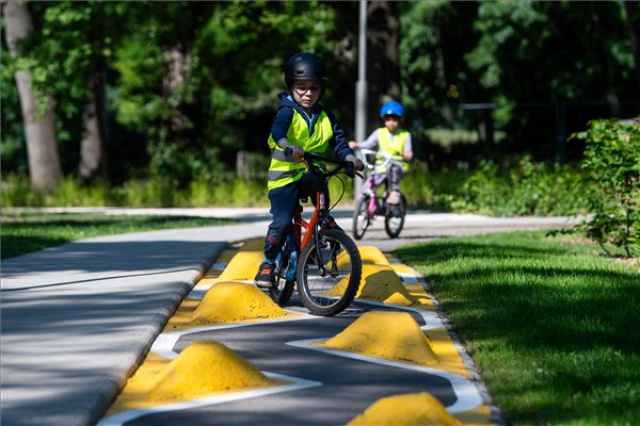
x=325, y=263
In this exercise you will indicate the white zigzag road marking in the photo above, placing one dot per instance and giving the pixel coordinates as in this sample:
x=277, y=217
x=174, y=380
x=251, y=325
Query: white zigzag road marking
x=408, y=279
x=465, y=390
x=165, y=342
x=164, y=345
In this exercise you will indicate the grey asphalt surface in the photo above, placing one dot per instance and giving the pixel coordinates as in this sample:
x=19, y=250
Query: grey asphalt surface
x=349, y=386
x=77, y=319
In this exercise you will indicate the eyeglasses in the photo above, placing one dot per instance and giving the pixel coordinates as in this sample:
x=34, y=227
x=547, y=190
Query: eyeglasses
x=302, y=88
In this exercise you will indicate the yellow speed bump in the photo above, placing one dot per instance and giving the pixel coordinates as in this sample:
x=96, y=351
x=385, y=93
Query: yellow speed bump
x=382, y=284
x=378, y=283
x=206, y=367
x=385, y=334
x=203, y=368
x=372, y=256
x=416, y=409
x=242, y=266
x=231, y=302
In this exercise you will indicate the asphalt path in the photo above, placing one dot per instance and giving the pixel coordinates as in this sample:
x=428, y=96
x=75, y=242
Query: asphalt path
x=349, y=386
x=77, y=319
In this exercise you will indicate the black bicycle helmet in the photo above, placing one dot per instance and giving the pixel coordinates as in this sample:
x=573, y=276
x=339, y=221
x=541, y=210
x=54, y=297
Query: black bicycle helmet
x=305, y=66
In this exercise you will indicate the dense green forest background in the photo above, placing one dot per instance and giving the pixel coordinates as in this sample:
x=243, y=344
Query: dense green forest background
x=180, y=91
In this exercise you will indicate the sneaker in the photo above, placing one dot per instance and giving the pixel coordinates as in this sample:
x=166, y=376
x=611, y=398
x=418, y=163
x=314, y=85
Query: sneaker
x=264, y=276
x=394, y=197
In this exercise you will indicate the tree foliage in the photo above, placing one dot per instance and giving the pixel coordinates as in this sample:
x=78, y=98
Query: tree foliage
x=188, y=84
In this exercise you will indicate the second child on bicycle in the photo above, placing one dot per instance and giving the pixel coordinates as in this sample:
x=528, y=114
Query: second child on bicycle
x=301, y=124
x=394, y=140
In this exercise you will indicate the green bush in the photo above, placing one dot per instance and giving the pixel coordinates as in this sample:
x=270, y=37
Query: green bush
x=612, y=160
x=527, y=188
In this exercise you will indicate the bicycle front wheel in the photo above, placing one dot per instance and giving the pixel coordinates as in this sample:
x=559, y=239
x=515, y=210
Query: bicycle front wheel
x=394, y=217
x=329, y=273
x=361, y=218
x=281, y=288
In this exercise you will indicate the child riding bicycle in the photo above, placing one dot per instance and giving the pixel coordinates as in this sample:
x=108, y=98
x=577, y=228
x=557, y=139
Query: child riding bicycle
x=392, y=140
x=301, y=124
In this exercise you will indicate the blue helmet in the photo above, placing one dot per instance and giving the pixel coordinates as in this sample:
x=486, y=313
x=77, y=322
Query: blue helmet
x=392, y=108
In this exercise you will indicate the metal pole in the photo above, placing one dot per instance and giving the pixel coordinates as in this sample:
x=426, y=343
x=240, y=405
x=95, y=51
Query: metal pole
x=361, y=85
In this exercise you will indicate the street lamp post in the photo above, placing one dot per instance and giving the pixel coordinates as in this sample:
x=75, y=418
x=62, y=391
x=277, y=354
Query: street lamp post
x=361, y=85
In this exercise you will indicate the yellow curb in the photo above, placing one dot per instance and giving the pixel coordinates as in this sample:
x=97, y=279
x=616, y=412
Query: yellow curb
x=400, y=268
x=417, y=409
x=385, y=334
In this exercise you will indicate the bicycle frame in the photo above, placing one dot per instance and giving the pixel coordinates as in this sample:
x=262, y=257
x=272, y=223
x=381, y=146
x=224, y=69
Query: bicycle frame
x=370, y=205
x=306, y=245
x=311, y=227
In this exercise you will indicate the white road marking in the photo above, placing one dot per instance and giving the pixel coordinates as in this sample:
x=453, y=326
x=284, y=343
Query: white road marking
x=465, y=390
x=298, y=384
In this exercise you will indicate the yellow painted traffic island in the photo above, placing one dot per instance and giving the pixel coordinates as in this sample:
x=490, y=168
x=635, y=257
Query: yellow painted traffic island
x=416, y=409
x=385, y=334
x=202, y=369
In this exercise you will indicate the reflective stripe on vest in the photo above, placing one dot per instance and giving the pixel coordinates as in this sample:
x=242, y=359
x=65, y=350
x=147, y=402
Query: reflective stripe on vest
x=393, y=146
x=283, y=169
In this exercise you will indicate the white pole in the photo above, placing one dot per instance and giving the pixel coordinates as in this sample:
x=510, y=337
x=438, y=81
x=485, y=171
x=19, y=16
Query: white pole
x=361, y=85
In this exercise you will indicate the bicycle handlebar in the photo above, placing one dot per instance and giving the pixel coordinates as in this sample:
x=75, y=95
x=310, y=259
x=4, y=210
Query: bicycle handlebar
x=308, y=157
x=388, y=158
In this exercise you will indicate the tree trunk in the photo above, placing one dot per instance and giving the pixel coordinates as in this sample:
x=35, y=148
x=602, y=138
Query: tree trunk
x=45, y=169
x=92, y=147
x=174, y=78
x=383, y=35
x=633, y=20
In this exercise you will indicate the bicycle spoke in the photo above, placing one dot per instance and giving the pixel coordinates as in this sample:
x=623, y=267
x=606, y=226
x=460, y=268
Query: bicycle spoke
x=328, y=284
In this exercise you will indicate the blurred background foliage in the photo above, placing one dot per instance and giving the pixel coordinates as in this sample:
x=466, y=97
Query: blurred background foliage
x=492, y=90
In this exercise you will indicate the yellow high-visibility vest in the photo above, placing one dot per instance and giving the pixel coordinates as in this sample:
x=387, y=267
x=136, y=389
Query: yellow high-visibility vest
x=393, y=146
x=283, y=169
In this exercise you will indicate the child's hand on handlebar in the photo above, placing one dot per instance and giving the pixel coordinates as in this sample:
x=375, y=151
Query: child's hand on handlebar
x=355, y=165
x=295, y=151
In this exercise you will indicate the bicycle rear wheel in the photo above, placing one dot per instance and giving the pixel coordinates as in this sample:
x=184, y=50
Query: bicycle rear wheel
x=361, y=218
x=281, y=289
x=394, y=218
x=329, y=273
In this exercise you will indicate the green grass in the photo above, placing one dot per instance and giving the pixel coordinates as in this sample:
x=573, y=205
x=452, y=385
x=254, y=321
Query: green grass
x=24, y=232
x=551, y=323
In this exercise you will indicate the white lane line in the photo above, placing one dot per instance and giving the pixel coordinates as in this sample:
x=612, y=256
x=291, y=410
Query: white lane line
x=166, y=342
x=408, y=278
x=298, y=384
x=467, y=395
